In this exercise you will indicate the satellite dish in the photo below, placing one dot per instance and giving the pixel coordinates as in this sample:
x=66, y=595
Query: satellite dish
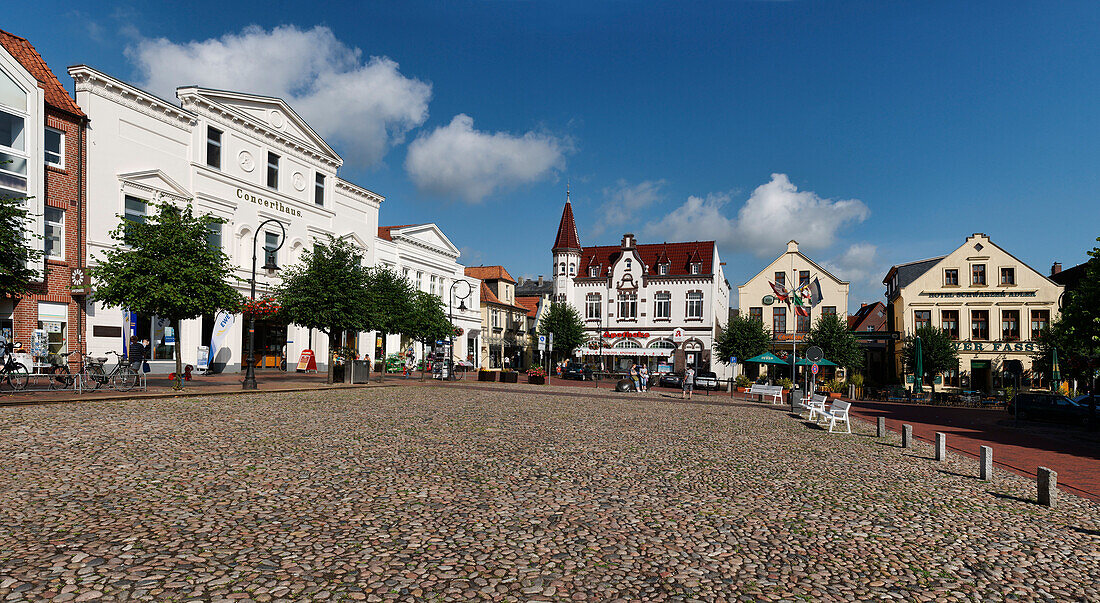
x=814, y=353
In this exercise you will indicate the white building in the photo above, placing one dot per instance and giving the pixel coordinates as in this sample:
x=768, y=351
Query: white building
x=242, y=157
x=658, y=304
x=429, y=261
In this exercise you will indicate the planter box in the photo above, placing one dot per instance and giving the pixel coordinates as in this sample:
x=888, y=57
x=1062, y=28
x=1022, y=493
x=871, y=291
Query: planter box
x=834, y=395
x=536, y=380
x=741, y=390
x=511, y=377
x=486, y=376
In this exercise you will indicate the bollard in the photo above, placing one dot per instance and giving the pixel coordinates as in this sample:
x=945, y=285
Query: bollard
x=985, y=470
x=941, y=446
x=881, y=427
x=906, y=436
x=1048, y=487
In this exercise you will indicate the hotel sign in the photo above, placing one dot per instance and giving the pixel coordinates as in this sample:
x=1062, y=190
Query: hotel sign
x=268, y=203
x=954, y=294
x=996, y=346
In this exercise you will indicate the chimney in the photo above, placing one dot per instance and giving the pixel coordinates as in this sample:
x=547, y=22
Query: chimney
x=792, y=246
x=1056, y=268
x=628, y=241
x=540, y=280
x=862, y=305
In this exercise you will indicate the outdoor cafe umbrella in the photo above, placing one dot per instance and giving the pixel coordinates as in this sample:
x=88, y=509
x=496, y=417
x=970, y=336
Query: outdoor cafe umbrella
x=822, y=362
x=767, y=358
x=918, y=379
x=1056, y=374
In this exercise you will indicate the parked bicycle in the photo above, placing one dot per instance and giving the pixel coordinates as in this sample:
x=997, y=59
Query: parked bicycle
x=13, y=374
x=121, y=378
x=60, y=376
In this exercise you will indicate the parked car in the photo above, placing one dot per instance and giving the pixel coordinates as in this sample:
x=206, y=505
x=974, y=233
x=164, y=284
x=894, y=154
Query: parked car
x=708, y=380
x=1043, y=406
x=578, y=371
x=671, y=379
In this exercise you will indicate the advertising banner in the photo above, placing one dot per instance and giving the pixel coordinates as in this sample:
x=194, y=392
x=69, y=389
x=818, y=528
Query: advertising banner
x=219, y=342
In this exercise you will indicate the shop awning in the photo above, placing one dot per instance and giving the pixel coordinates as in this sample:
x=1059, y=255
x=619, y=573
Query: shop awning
x=646, y=352
x=767, y=358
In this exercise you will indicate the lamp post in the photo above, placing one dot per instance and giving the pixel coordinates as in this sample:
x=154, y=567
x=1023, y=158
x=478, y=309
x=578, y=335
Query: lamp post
x=450, y=311
x=269, y=264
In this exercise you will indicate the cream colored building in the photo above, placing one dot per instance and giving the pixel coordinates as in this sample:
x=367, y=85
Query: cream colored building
x=993, y=305
x=756, y=299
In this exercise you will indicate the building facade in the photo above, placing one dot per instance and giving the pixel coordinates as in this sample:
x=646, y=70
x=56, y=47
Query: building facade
x=993, y=305
x=757, y=300
x=241, y=157
x=42, y=160
x=661, y=304
x=871, y=318
x=505, y=341
x=425, y=257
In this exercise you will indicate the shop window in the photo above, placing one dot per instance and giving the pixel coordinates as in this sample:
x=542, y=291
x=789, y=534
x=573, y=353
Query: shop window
x=54, y=143
x=1040, y=320
x=951, y=377
x=949, y=321
x=977, y=274
x=592, y=305
x=756, y=314
x=55, y=233
x=922, y=318
x=272, y=170
x=628, y=306
x=213, y=147
x=319, y=190
x=979, y=325
x=1010, y=325
x=951, y=277
x=695, y=304
x=1008, y=276
x=779, y=320
x=662, y=305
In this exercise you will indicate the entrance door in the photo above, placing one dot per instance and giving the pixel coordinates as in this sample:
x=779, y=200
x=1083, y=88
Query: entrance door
x=981, y=375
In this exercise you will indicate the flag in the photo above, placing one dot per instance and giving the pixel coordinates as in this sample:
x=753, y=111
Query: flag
x=814, y=289
x=780, y=292
x=799, y=309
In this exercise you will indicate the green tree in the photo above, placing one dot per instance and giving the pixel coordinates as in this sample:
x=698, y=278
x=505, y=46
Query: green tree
x=564, y=322
x=327, y=290
x=389, y=302
x=938, y=352
x=166, y=267
x=742, y=338
x=16, y=257
x=426, y=322
x=838, y=344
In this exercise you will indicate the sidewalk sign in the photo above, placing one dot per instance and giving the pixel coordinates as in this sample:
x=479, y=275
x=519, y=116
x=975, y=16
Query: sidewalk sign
x=307, y=362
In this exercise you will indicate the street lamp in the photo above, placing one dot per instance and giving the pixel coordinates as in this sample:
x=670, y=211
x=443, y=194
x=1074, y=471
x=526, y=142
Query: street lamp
x=450, y=311
x=269, y=264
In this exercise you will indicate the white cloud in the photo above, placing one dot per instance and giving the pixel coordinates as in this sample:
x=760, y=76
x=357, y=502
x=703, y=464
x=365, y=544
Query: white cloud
x=861, y=266
x=775, y=213
x=625, y=204
x=458, y=160
x=362, y=106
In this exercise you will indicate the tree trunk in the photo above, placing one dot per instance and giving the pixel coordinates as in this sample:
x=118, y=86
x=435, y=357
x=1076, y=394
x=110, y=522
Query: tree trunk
x=331, y=355
x=179, y=361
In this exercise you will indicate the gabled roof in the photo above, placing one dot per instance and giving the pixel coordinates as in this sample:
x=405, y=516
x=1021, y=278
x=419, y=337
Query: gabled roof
x=907, y=273
x=54, y=93
x=567, y=238
x=679, y=256
x=488, y=297
x=384, y=231
x=795, y=251
x=531, y=303
x=489, y=273
x=867, y=314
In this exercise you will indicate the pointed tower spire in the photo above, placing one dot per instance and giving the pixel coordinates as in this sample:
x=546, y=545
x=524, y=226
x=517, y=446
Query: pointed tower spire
x=567, y=238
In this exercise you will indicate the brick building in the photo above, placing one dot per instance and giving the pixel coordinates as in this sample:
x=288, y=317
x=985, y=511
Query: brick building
x=42, y=133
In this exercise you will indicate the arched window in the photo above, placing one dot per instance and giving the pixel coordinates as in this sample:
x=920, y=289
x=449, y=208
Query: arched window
x=662, y=344
x=572, y=268
x=561, y=269
x=626, y=344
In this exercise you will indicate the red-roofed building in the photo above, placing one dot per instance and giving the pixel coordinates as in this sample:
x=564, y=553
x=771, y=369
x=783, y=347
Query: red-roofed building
x=504, y=323
x=42, y=158
x=659, y=304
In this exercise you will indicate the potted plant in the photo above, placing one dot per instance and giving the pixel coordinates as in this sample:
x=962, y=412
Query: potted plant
x=743, y=383
x=509, y=376
x=835, y=387
x=785, y=383
x=536, y=375
x=486, y=375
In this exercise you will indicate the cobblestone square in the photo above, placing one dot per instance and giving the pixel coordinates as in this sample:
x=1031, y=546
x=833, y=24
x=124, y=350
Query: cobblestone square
x=516, y=494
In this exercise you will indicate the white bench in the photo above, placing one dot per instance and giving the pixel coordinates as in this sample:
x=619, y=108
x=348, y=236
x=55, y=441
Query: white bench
x=838, y=413
x=774, y=393
x=815, y=404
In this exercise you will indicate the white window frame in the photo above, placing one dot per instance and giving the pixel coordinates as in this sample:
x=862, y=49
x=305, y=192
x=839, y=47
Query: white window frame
x=593, y=305
x=628, y=306
x=60, y=226
x=221, y=147
x=662, y=300
x=277, y=165
x=319, y=184
x=695, y=268
x=61, y=149
x=23, y=154
x=692, y=302
x=662, y=269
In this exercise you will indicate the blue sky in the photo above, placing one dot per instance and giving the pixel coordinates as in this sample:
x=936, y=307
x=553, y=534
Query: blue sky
x=874, y=132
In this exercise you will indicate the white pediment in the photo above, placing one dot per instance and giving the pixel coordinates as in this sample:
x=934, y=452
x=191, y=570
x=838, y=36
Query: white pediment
x=155, y=180
x=426, y=234
x=267, y=112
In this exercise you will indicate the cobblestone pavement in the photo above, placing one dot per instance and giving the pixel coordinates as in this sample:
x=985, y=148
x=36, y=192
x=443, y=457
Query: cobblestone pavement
x=428, y=494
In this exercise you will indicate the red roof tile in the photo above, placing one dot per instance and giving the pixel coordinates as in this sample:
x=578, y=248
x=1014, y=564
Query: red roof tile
x=24, y=52
x=384, y=231
x=489, y=273
x=531, y=303
x=567, y=231
x=678, y=254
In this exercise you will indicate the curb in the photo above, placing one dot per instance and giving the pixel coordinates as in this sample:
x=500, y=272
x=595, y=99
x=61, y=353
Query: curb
x=187, y=394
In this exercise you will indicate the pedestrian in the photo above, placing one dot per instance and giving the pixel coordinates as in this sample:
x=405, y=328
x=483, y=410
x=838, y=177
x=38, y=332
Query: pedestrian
x=689, y=383
x=634, y=377
x=410, y=365
x=137, y=354
x=643, y=376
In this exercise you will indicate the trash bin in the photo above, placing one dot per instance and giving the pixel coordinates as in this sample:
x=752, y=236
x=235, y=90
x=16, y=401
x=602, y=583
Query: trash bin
x=361, y=374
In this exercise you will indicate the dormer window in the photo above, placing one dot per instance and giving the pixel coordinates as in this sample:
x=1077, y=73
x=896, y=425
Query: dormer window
x=695, y=268
x=593, y=271
x=662, y=269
